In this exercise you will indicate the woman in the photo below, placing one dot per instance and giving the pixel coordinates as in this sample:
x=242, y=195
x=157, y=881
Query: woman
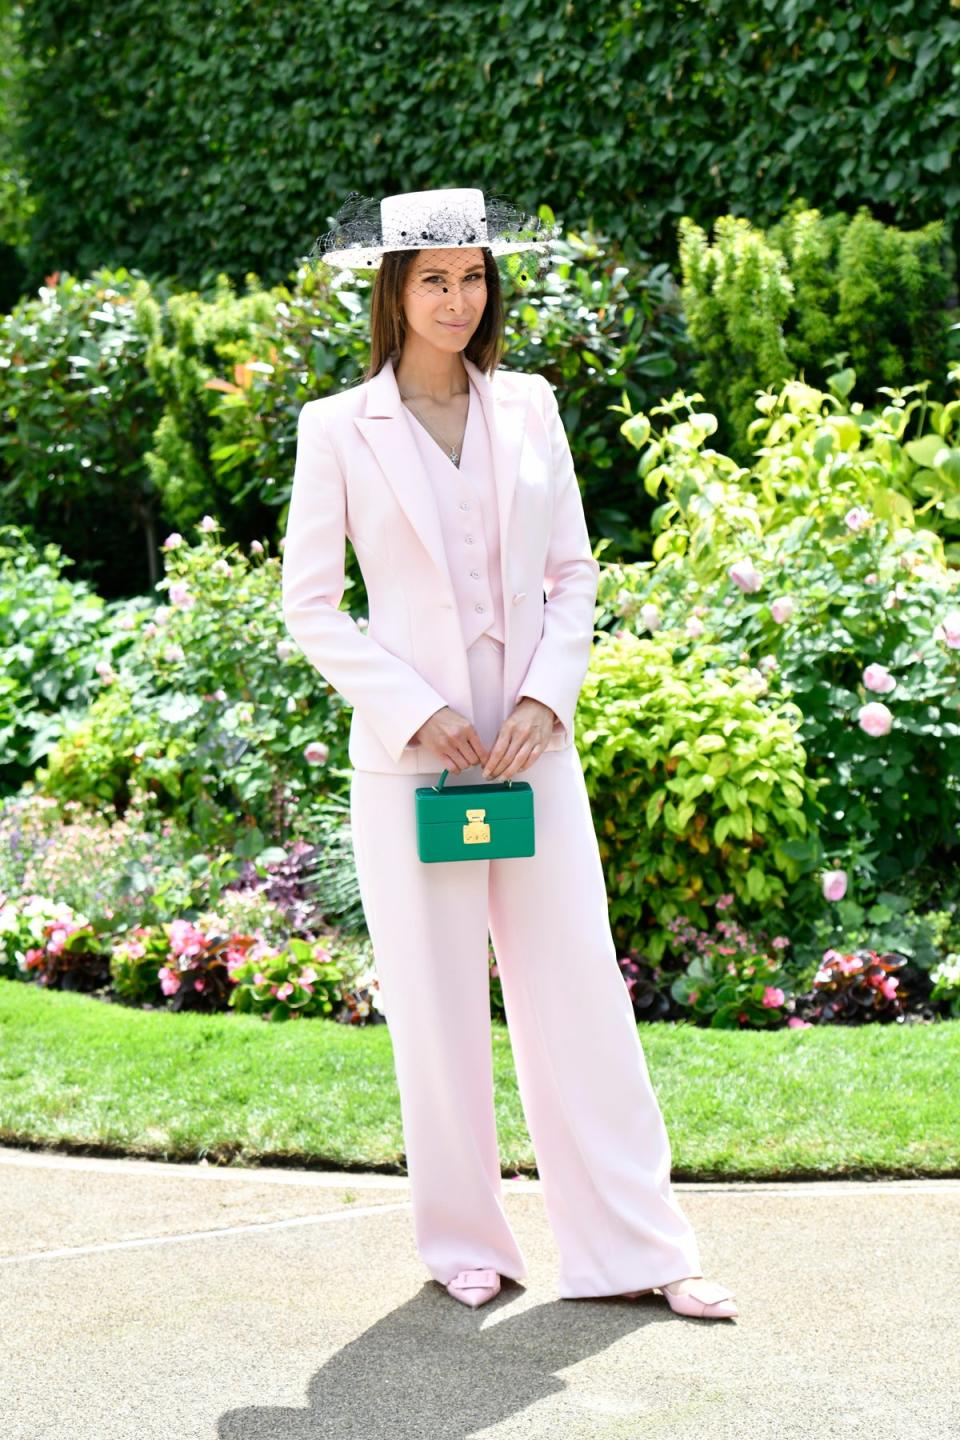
x=455, y=484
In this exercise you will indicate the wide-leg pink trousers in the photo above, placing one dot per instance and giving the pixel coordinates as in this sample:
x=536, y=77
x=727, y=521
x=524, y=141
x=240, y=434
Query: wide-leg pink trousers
x=598, y=1134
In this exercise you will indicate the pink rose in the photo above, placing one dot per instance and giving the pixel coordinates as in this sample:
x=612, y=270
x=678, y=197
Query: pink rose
x=207, y=524
x=694, y=626
x=179, y=593
x=782, y=609
x=650, y=617
x=878, y=678
x=745, y=576
x=949, y=629
x=834, y=886
x=875, y=718
x=255, y=547
x=316, y=752
x=856, y=518
x=172, y=542
x=773, y=996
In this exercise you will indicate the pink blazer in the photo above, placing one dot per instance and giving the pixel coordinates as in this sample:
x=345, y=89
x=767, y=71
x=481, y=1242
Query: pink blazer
x=358, y=476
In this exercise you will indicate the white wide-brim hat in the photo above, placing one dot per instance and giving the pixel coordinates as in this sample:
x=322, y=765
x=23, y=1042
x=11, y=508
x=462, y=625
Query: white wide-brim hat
x=366, y=229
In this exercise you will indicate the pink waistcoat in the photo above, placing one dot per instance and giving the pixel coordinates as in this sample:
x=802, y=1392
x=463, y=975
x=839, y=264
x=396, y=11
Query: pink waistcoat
x=467, y=506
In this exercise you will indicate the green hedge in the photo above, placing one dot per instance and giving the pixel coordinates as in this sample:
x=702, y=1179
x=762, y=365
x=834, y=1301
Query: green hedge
x=224, y=141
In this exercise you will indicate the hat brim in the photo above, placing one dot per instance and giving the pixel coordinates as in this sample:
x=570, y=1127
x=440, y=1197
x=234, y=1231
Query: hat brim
x=359, y=258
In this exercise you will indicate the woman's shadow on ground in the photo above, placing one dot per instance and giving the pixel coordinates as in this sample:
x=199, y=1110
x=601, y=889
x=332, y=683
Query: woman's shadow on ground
x=432, y=1370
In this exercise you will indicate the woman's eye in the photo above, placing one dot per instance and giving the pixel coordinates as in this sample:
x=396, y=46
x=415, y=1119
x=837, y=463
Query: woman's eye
x=475, y=275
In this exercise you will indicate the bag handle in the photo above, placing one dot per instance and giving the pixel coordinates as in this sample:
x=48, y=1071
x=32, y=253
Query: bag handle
x=445, y=773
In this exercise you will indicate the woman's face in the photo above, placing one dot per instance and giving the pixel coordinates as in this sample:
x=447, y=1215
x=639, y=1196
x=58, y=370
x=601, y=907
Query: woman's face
x=444, y=296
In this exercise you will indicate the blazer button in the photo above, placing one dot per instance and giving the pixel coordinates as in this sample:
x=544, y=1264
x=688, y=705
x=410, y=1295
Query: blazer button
x=521, y=595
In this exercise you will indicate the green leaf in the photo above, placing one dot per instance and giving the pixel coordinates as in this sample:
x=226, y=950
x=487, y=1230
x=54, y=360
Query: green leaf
x=924, y=450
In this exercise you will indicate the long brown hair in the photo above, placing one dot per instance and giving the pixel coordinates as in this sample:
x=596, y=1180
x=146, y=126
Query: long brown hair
x=387, y=328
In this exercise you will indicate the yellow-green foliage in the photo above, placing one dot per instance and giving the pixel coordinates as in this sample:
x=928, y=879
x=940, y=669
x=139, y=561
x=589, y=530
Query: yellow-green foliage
x=696, y=791
x=765, y=306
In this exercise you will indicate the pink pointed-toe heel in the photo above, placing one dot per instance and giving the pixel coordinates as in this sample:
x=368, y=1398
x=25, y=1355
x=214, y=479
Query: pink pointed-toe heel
x=474, y=1287
x=705, y=1300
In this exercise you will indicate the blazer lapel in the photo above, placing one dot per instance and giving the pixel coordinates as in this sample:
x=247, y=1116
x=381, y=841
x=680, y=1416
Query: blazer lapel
x=385, y=428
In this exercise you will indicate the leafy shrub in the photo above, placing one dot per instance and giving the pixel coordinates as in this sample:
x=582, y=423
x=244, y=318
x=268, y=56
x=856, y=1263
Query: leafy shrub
x=288, y=984
x=946, y=984
x=70, y=956
x=136, y=959
x=232, y=372
x=26, y=924
x=196, y=964
x=208, y=705
x=119, y=872
x=888, y=924
x=733, y=978
x=49, y=628
x=764, y=307
x=808, y=572
x=855, y=989
x=696, y=790
x=72, y=446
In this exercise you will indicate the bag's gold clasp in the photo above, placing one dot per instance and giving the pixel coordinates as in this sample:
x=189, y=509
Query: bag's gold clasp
x=476, y=832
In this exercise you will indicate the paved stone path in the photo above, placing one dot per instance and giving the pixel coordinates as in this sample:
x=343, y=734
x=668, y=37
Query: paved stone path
x=145, y=1301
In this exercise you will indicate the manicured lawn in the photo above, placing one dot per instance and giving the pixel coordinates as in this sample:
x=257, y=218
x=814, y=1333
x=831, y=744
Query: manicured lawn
x=80, y=1073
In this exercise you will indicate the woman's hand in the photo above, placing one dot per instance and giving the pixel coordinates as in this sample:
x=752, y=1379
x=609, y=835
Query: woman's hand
x=522, y=738
x=453, y=736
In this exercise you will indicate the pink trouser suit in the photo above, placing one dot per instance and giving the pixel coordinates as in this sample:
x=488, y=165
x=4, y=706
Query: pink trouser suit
x=601, y=1146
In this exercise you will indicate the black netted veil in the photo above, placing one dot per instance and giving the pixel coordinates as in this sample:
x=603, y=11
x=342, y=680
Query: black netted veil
x=356, y=226
x=356, y=240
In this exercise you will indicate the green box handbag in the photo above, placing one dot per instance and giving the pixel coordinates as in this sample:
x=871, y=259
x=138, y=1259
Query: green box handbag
x=474, y=822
